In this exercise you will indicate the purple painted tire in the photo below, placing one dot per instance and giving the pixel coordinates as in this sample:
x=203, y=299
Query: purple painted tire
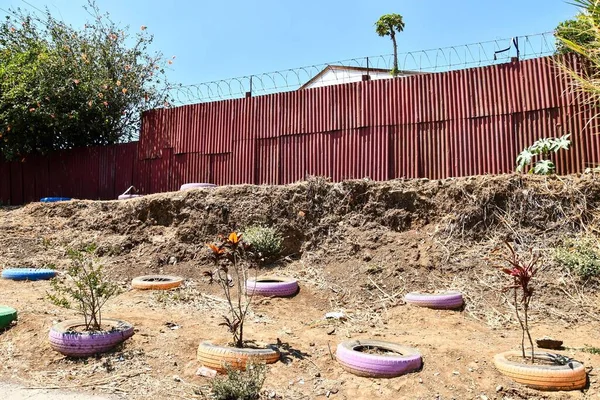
x=390, y=365
x=129, y=196
x=188, y=186
x=83, y=344
x=276, y=286
x=445, y=300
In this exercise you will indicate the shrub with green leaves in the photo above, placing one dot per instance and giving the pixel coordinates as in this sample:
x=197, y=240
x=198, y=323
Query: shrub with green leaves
x=86, y=286
x=542, y=148
x=240, y=385
x=265, y=240
x=580, y=255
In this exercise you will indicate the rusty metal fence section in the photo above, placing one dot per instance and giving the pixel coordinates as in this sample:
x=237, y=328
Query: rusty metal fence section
x=438, y=125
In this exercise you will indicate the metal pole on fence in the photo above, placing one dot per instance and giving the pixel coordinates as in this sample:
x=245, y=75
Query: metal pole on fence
x=249, y=94
x=366, y=77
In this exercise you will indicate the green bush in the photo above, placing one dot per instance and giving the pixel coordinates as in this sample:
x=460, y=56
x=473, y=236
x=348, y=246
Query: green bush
x=240, y=385
x=580, y=255
x=267, y=241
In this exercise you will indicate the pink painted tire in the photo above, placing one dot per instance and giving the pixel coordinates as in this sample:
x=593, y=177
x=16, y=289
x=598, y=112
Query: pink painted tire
x=449, y=300
x=129, y=196
x=390, y=365
x=188, y=186
x=276, y=286
x=83, y=344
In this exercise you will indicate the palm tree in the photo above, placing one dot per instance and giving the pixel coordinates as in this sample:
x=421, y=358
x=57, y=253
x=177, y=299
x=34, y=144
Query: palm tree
x=388, y=25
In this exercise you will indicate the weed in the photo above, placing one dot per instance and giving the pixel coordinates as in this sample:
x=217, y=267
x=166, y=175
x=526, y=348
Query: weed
x=591, y=349
x=580, y=255
x=240, y=385
x=266, y=241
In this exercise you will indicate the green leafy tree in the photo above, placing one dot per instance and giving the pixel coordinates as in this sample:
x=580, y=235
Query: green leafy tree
x=389, y=25
x=577, y=30
x=62, y=87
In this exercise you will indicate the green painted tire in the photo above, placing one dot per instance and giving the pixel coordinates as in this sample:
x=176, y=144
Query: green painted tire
x=7, y=315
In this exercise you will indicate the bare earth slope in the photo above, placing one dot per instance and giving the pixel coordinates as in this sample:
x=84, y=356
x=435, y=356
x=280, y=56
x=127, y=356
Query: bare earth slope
x=356, y=247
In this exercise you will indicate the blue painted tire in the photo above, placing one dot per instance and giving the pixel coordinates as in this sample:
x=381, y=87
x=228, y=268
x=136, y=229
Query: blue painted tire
x=54, y=199
x=28, y=274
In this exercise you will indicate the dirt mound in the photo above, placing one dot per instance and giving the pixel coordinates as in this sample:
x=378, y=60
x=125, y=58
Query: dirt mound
x=357, y=245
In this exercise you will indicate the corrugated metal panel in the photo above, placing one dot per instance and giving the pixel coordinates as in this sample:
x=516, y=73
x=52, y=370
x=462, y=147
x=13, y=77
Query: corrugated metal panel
x=191, y=168
x=5, y=183
x=16, y=183
x=107, y=172
x=432, y=125
x=160, y=172
x=360, y=153
x=28, y=167
x=220, y=169
x=242, y=161
x=124, y=167
x=153, y=131
x=267, y=161
x=404, y=151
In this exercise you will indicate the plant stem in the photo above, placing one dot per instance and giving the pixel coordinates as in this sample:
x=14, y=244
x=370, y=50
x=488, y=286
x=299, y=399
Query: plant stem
x=526, y=308
x=522, y=325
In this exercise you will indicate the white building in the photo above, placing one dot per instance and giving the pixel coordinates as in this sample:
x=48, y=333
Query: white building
x=338, y=74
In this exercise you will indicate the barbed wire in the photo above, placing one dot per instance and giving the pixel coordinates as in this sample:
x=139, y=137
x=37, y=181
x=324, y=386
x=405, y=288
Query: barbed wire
x=433, y=60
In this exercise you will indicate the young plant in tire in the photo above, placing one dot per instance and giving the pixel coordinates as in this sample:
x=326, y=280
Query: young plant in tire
x=87, y=287
x=232, y=258
x=521, y=273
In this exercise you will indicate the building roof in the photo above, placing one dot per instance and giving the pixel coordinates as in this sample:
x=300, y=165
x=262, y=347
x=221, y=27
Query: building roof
x=350, y=68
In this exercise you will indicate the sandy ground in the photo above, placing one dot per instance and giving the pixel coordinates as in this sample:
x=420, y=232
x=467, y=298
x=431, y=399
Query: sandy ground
x=15, y=392
x=357, y=248
x=159, y=361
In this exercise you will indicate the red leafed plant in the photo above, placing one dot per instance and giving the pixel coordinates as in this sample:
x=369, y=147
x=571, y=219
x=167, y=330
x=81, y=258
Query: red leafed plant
x=232, y=258
x=521, y=273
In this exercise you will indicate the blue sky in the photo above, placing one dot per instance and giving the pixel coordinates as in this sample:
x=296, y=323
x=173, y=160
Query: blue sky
x=215, y=40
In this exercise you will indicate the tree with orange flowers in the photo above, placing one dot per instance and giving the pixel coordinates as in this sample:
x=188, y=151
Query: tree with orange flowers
x=232, y=257
x=63, y=87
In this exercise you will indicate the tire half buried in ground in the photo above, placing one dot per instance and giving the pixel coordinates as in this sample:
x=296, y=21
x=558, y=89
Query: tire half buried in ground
x=377, y=359
x=217, y=357
x=570, y=376
x=28, y=274
x=156, y=282
x=449, y=300
x=7, y=315
x=65, y=339
x=276, y=286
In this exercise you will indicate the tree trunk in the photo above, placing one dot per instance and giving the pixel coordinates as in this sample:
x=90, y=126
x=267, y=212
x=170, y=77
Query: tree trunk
x=395, y=70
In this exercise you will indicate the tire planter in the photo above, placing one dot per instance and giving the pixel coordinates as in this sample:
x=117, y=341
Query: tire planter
x=188, y=186
x=54, y=199
x=445, y=300
x=542, y=377
x=378, y=365
x=129, y=196
x=156, y=282
x=7, y=315
x=216, y=357
x=277, y=286
x=83, y=344
x=28, y=274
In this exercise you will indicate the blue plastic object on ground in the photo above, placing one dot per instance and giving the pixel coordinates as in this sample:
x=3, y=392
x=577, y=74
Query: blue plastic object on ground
x=54, y=199
x=28, y=274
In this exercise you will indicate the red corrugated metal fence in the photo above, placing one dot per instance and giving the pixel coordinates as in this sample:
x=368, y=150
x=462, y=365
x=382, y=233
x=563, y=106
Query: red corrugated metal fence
x=439, y=125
